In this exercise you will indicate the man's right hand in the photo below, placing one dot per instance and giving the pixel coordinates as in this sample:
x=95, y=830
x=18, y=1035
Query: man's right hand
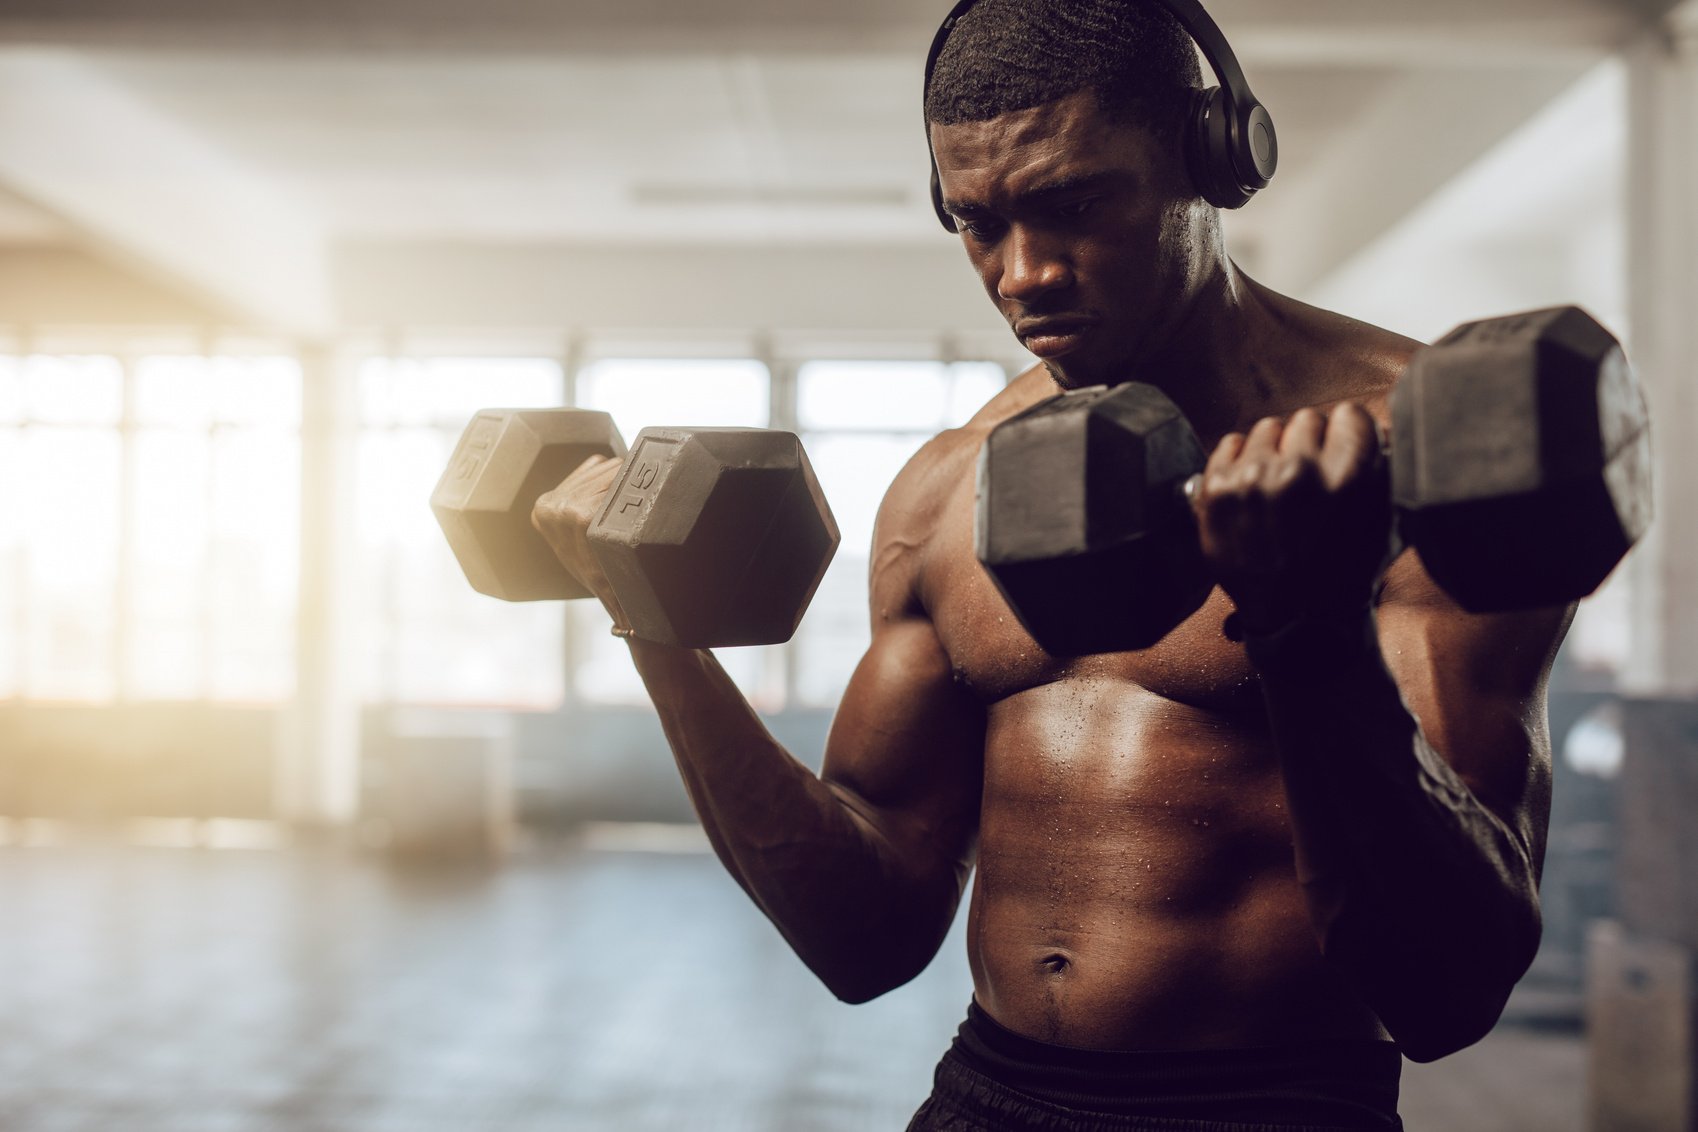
x=563, y=516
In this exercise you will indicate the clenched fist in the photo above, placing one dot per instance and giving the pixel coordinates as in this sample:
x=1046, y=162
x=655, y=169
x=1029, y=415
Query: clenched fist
x=1295, y=517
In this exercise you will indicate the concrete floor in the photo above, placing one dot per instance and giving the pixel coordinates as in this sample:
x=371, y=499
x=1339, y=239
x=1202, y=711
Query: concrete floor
x=153, y=990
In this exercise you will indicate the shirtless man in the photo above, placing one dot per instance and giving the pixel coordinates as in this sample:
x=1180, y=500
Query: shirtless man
x=1228, y=878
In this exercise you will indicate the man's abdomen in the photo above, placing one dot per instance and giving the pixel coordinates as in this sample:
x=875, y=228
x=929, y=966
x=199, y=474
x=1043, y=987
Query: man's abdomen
x=1135, y=887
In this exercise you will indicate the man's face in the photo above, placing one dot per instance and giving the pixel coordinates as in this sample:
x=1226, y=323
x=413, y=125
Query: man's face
x=1085, y=232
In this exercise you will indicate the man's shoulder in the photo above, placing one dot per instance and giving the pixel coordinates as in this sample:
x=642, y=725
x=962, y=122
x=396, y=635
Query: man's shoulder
x=932, y=475
x=929, y=504
x=1349, y=359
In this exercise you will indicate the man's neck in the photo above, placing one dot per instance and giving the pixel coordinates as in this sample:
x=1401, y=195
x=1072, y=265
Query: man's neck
x=1231, y=358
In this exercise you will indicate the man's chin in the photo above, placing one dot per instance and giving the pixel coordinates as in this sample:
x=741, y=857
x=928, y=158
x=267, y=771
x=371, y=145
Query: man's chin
x=1075, y=373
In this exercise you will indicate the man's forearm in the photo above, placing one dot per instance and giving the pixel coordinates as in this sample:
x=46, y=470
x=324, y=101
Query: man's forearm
x=1419, y=891
x=817, y=866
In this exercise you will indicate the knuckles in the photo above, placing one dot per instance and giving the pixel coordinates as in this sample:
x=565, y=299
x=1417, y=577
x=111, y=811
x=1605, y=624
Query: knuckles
x=1272, y=479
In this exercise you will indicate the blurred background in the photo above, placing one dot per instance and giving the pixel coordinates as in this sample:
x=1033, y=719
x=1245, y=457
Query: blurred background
x=297, y=831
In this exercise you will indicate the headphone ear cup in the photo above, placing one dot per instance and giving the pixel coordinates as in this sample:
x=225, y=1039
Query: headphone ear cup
x=943, y=217
x=1209, y=151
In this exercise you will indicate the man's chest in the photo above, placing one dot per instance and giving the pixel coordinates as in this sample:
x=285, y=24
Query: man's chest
x=996, y=658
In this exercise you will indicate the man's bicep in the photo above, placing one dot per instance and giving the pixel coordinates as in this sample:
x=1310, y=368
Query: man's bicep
x=906, y=749
x=1476, y=683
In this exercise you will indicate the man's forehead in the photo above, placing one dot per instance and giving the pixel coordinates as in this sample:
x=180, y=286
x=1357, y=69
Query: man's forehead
x=1025, y=151
x=1076, y=123
x=1078, y=113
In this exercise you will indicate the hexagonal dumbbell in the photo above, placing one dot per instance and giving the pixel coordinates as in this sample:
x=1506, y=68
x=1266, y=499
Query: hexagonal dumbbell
x=1520, y=472
x=1521, y=459
x=715, y=536
x=1082, y=521
x=505, y=460
x=710, y=537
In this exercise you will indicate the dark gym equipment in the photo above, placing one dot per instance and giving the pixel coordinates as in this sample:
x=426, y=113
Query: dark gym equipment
x=1083, y=523
x=1520, y=469
x=1231, y=148
x=1521, y=459
x=710, y=537
x=715, y=536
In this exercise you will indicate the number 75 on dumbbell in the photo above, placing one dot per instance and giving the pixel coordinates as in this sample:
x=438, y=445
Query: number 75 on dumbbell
x=710, y=537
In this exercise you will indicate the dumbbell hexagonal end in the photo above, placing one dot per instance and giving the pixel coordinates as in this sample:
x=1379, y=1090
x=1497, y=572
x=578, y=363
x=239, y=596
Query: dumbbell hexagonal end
x=1081, y=523
x=1521, y=459
x=715, y=537
x=504, y=461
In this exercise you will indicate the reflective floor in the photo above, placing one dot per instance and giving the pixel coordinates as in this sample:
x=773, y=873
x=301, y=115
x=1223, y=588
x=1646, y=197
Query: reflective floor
x=627, y=987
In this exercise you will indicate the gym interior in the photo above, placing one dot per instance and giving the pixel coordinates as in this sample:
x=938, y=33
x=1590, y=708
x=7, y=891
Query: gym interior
x=299, y=832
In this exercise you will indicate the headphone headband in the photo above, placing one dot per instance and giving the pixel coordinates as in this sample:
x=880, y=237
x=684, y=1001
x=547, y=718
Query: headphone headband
x=1232, y=149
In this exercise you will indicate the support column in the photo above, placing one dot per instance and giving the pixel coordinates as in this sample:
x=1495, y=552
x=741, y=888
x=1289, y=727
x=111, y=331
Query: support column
x=1642, y=972
x=318, y=763
x=1662, y=274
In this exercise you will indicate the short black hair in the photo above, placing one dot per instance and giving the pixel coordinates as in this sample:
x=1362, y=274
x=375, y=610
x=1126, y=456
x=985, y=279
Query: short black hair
x=1007, y=55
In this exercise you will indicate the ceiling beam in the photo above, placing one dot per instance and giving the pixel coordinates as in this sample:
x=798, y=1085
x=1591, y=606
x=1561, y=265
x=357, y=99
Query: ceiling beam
x=140, y=189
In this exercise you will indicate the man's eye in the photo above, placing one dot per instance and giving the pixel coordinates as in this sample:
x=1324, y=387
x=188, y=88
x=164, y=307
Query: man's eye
x=978, y=229
x=1076, y=208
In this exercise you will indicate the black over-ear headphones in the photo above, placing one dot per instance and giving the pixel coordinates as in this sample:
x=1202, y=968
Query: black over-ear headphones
x=1230, y=147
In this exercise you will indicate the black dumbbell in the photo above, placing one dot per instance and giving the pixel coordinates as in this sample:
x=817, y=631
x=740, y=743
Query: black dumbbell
x=1520, y=472
x=710, y=537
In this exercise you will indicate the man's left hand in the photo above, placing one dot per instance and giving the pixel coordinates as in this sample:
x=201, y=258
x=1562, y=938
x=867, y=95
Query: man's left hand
x=1295, y=516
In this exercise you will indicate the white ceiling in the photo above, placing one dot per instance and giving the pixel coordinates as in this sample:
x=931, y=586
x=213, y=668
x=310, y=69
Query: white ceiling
x=636, y=149
x=656, y=122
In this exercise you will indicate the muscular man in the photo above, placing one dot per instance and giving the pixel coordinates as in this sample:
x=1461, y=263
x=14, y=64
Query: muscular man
x=1226, y=879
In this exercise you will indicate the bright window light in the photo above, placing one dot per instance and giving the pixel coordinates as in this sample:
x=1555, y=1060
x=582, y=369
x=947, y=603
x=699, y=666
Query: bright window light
x=448, y=392
x=214, y=497
x=426, y=636
x=13, y=562
x=73, y=390
x=69, y=512
x=60, y=459
x=702, y=393
x=11, y=391
x=197, y=602
x=899, y=396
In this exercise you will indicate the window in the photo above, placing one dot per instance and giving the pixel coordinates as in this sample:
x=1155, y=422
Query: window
x=427, y=636
x=861, y=422
x=59, y=472
x=151, y=548
x=213, y=489
x=152, y=542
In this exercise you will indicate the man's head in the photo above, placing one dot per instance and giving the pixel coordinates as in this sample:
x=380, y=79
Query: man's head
x=1008, y=55
x=1057, y=129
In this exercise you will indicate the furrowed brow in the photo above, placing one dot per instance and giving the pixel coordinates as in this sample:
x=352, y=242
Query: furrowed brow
x=1067, y=186
x=1038, y=196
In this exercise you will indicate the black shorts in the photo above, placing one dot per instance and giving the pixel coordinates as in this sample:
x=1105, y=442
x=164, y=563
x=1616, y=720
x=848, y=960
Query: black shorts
x=994, y=1080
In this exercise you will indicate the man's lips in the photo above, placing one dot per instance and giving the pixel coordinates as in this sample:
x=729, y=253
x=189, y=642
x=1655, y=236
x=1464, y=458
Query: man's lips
x=1052, y=337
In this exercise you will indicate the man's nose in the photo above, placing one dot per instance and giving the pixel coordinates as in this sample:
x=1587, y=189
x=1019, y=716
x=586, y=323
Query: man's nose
x=1031, y=267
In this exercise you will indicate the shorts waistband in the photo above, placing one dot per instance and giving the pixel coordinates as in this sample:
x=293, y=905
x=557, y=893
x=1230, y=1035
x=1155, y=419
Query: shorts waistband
x=1345, y=1084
